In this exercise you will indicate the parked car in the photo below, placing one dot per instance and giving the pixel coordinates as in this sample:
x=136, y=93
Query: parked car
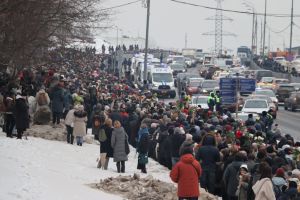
x=200, y=101
x=178, y=68
x=208, y=86
x=296, y=85
x=293, y=102
x=272, y=105
x=269, y=93
x=255, y=106
x=192, y=86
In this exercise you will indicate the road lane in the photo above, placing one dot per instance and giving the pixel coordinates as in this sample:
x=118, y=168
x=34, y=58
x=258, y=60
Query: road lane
x=289, y=122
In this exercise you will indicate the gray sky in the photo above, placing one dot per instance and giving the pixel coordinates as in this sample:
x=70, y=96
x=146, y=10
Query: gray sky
x=169, y=21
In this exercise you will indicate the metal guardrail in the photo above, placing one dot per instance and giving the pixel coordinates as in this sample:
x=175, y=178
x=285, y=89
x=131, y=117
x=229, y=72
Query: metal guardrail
x=293, y=79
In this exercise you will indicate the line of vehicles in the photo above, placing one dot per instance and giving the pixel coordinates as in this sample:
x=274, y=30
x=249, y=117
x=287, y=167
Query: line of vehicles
x=172, y=78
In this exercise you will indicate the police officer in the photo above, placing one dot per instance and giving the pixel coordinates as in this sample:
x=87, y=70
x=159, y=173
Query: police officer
x=218, y=102
x=211, y=101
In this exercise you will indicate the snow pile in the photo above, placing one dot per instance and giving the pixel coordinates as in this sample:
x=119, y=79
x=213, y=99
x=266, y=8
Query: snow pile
x=134, y=187
x=49, y=133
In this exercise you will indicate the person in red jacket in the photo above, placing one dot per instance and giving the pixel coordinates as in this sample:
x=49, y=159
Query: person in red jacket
x=186, y=173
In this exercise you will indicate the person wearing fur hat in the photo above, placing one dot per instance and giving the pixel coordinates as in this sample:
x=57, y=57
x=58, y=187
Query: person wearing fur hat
x=186, y=173
x=80, y=119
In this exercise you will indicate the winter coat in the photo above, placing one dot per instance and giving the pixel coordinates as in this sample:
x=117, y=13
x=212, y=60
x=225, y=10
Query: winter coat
x=230, y=177
x=105, y=147
x=21, y=114
x=70, y=118
x=116, y=116
x=80, y=123
x=67, y=99
x=118, y=144
x=143, y=141
x=242, y=191
x=263, y=190
x=279, y=181
x=208, y=154
x=57, y=99
x=186, y=173
x=177, y=139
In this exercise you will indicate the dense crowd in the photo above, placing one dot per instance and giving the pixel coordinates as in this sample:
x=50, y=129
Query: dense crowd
x=254, y=159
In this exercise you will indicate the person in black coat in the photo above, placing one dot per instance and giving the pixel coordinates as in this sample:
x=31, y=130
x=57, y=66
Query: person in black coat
x=21, y=116
x=57, y=103
x=105, y=146
x=176, y=141
x=143, y=141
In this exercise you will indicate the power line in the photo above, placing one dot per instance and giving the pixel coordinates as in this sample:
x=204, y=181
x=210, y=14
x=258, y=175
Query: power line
x=232, y=11
x=280, y=30
x=121, y=5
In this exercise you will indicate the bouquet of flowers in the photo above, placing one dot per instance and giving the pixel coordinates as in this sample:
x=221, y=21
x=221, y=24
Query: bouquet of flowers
x=296, y=154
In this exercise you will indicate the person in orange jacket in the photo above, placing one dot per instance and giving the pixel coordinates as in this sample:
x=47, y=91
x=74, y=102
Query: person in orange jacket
x=186, y=173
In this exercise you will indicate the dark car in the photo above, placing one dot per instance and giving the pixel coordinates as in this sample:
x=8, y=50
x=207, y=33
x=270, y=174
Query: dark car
x=284, y=91
x=178, y=68
x=293, y=102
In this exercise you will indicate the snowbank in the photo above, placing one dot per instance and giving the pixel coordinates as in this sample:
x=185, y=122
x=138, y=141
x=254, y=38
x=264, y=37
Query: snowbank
x=38, y=169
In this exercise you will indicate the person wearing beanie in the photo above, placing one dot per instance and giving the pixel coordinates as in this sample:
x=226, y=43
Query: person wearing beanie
x=244, y=178
x=186, y=173
x=279, y=178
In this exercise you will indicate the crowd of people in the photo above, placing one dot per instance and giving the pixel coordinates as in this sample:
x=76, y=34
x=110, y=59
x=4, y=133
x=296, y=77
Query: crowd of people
x=254, y=159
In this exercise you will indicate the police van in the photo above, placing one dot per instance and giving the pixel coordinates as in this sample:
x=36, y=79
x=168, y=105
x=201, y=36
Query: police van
x=162, y=82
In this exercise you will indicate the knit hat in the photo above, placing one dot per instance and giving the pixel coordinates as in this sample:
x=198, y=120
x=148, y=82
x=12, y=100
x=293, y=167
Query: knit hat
x=186, y=148
x=280, y=172
x=244, y=166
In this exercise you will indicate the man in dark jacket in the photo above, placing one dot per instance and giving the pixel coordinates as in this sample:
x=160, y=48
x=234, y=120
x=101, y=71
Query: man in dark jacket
x=57, y=103
x=230, y=176
x=176, y=141
x=208, y=155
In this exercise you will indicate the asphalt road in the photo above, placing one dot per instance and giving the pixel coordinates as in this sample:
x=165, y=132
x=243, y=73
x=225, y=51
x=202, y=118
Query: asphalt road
x=289, y=122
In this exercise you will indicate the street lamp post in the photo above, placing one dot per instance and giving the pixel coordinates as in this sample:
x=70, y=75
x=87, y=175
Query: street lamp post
x=292, y=23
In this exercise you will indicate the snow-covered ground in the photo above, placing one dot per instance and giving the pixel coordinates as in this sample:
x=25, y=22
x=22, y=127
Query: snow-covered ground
x=38, y=169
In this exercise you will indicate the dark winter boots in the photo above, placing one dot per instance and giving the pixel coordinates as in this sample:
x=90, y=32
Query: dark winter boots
x=121, y=167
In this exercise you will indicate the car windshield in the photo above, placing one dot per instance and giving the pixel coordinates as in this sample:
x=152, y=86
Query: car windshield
x=256, y=104
x=268, y=99
x=268, y=93
x=194, y=84
x=162, y=77
x=177, y=67
x=210, y=84
x=178, y=59
x=199, y=100
x=287, y=87
x=267, y=79
x=281, y=81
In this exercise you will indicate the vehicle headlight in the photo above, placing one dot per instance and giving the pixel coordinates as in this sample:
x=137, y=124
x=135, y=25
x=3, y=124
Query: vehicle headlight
x=204, y=90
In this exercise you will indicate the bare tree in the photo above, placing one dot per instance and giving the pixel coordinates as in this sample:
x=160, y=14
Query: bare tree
x=28, y=28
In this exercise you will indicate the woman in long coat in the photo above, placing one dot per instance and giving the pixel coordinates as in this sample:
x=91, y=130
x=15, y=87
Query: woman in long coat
x=80, y=120
x=21, y=115
x=118, y=139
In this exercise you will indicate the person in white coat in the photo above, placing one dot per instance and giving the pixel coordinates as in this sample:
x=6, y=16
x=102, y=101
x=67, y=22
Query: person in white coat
x=69, y=122
x=80, y=124
x=263, y=189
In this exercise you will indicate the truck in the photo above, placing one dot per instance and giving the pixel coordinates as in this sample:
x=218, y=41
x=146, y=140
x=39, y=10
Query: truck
x=189, y=52
x=162, y=82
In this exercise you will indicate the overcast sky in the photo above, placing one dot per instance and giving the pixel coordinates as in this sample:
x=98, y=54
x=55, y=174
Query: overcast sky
x=169, y=21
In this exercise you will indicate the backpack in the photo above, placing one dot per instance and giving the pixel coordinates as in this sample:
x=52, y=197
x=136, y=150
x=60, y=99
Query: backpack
x=42, y=99
x=102, y=136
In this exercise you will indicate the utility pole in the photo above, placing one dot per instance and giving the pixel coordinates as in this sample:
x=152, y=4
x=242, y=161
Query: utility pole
x=265, y=23
x=292, y=23
x=146, y=41
x=269, y=42
x=253, y=32
x=185, y=41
